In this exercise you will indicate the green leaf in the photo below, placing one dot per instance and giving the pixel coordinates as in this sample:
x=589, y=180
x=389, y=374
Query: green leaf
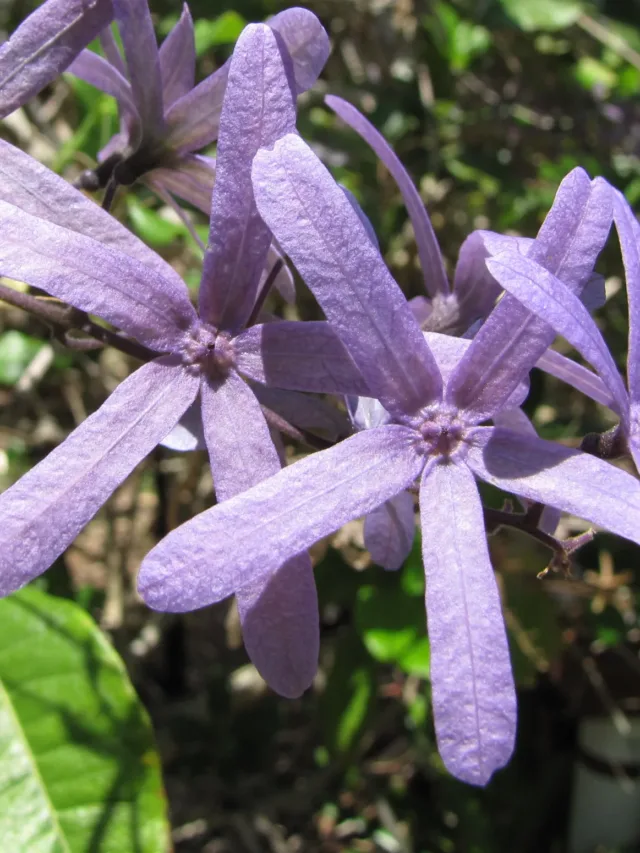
x=17, y=350
x=532, y=15
x=222, y=30
x=459, y=40
x=151, y=226
x=78, y=767
x=348, y=698
x=392, y=626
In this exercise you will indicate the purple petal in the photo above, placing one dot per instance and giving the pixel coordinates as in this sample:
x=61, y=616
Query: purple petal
x=240, y=447
x=258, y=109
x=143, y=63
x=421, y=309
x=512, y=339
x=96, y=71
x=154, y=309
x=284, y=282
x=629, y=236
x=191, y=179
x=317, y=227
x=111, y=51
x=44, y=45
x=46, y=509
x=473, y=284
x=362, y=216
x=35, y=189
x=194, y=119
x=389, y=531
x=474, y=700
x=552, y=474
x=575, y=374
x=594, y=295
x=435, y=277
x=304, y=411
x=281, y=626
x=307, y=44
x=178, y=60
x=226, y=548
x=298, y=357
x=545, y=296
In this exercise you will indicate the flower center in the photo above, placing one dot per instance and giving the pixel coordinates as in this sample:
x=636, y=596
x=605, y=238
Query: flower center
x=440, y=432
x=209, y=351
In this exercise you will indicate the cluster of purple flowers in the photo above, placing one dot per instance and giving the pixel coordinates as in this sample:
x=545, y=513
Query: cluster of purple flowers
x=433, y=386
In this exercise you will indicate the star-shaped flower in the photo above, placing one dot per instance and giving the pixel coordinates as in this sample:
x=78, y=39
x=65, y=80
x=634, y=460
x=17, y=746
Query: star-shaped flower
x=165, y=117
x=435, y=434
x=207, y=354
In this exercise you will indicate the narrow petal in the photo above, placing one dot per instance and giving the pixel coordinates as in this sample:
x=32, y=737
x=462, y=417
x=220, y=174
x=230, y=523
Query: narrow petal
x=473, y=284
x=94, y=278
x=435, y=277
x=191, y=179
x=629, y=236
x=45, y=44
x=27, y=184
x=281, y=626
x=474, y=699
x=143, y=63
x=552, y=474
x=512, y=339
x=307, y=44
x=178, y=60
x=362, y=216
x=317, y=227
x=284, y=282
x=389, y=531
x=46, y=509
x=304, y=411
x=583, y=380
x=279, y=609
x=226, y=548
x=258, y=109
x=549, y=299
x=298, y=357
x=98, y=72
x=193, y=120
x=111, y=50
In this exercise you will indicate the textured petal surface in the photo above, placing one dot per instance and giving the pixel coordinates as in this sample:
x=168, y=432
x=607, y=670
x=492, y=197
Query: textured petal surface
x=46, y=509
x=192, y=179
x=298, y=357
x=304, y=411
x=552, y=474
x=307, y=44
x=94, y=278
x=258, y=108
x=575, y=374
x=544, y=295
x=178, y=60
x=473, y=284
x=474, y=700
x=435, y=277
x=96, y=71
x=512, y=339
x=232, y=544
x=629, y=236
x=319, y=230
x=193, y=120
x=27, y=184
x=279, y=609
x=389, y=531
x=143, y=63
x=281, y=626
x=44, y=45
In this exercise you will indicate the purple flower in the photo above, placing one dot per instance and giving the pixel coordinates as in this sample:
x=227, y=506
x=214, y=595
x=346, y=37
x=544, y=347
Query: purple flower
x=207, y=354
x=542, y=293
x=45, y=44
x=436, y=406
x=164, y=116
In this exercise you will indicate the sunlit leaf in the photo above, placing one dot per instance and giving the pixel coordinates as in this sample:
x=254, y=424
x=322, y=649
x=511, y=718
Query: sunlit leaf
x=543, y=14
x=16, y=351
x=78, y=767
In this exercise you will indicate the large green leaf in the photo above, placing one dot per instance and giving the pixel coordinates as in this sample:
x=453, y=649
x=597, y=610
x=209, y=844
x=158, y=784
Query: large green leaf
x=78, y=766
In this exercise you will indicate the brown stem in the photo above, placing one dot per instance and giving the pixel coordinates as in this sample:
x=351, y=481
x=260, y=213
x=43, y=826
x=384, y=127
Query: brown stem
x=260, y=300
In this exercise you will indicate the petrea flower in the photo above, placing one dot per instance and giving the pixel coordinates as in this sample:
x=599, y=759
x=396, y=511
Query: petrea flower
x=541, y=292
x=206, y=355
x=45, y=44
x=165, y=117
x=434, y=434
